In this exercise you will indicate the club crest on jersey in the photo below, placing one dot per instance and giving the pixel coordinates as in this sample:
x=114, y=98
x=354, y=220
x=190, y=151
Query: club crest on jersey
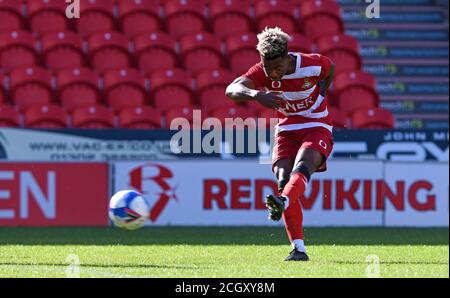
x=307, y=84
x=276, y=84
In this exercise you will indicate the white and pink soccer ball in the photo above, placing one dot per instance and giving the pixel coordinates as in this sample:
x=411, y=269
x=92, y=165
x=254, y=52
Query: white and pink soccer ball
x=128, y=209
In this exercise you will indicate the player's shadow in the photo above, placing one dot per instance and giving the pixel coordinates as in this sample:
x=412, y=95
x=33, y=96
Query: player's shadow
x=221, y=236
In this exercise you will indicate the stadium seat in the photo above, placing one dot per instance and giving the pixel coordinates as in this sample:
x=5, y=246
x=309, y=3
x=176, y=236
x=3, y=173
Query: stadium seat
x=376, y=118
x=200, y=52
x=236, y=111
x=211, y=85
x=2, y=89
x=320, y=18
x=10, y=15
x=124, y=88
x=255, y=106
x=47, y=15
x=300, y=43
x=9, y=117
x=338, y=117
x=77, y=87
x=268, y=114
x=170, y=88
x=155, y=51
x=108, y=51
x=144, y=117
x=186, y=112
x=275, y=13
x=98, y=16
x=138, y=17
x=241, y=52
x=62, y=50
x=17, y=49
x=355, y=90
x=45, y=116
x=230, y=17
x=184, y=17
x=30, y=86
x=93, y=117
x=343, y=50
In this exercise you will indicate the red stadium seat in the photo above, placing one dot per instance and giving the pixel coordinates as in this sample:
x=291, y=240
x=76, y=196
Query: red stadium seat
x=275, y=13
x=94, y=117
x=45, y=116
x=62, y=50
x=300, y=43
x=108, y=51
x=155, y=51
x=355, y=90
x=17, y=49
x=186, y=112
x=255, y=106
x=77, y=87
x=9, y=117
x=97, y=17
x=31, y=86
x=144, y=117
x=242, y=53
x=200, y=52
x=138, y=17
x=170, y=88
x=339, y=118
x=184, y=17
x=230, y=17
x=2, y=89
x=320, y=18
x=211, y=85
x=343, y=50
x=47, y=15
x=233, y=112
x=266, y=115
x=376, y=118
x=10, y=15
x=124, y=88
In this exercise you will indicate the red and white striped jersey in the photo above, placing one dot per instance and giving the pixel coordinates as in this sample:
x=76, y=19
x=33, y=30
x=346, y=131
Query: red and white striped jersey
x=302, y=106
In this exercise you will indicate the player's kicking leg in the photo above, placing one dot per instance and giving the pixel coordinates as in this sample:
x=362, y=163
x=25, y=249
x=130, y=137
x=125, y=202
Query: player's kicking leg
x=287, y=203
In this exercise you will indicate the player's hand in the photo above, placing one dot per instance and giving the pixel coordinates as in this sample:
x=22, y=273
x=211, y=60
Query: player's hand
x=269, y=99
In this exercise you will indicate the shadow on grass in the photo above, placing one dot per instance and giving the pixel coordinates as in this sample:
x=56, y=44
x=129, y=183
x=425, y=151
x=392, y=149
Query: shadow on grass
x=221, y=236
x=134, y=266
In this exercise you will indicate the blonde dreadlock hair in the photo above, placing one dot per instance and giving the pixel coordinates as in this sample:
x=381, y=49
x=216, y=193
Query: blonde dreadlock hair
x=272, y=43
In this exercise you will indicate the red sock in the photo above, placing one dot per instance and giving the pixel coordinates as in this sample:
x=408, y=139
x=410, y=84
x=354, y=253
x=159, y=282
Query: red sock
x=293, y=215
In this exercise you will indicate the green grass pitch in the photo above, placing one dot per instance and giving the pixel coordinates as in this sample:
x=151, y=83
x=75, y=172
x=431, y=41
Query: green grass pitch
x=221, y=252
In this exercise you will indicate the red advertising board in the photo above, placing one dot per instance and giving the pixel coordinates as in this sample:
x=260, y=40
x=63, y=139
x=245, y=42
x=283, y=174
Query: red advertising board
x=53, y=194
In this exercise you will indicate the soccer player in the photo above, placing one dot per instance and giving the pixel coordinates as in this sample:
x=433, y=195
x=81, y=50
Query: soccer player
x=295, y=85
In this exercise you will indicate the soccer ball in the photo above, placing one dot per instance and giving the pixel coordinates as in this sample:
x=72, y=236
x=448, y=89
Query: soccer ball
x=128, y=209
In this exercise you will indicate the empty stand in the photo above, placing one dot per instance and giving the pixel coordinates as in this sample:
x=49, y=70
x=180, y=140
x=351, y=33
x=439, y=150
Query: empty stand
x=140, y=118
x=77, y=87
x=47, y=15
x=63, y=49
x=17, y=49
x=109, y=51
x=31, y=86
x=137, y=17
x=10, y=15
x=9, y=117
x=45, y=116
x=230, y=17
x=124, y=88
x=171, y=88
x=94, y=117
x=156, y=50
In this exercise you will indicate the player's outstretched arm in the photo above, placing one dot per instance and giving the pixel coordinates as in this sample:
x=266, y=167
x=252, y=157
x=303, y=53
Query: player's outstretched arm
x=243, y=89
x=326, y=82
